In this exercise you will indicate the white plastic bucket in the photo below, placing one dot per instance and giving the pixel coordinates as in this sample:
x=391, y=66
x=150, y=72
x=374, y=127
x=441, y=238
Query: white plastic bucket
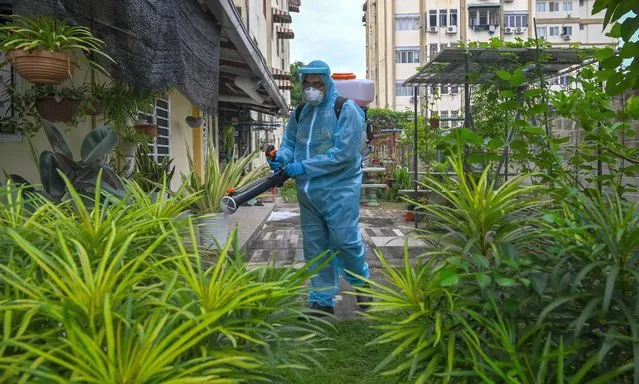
x=212, y=228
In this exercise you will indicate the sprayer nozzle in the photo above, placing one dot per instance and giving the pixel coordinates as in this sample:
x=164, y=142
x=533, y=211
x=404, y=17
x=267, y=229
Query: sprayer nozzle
x=228, y=205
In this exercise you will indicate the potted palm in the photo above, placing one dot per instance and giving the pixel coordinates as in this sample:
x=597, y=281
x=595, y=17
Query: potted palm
x=97, y=98
x=40, y=49
x=212, y=186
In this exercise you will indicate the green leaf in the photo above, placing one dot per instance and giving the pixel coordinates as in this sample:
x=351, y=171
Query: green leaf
x=98, y=143
x=57, y=141
x=470, y=137
x=504, y=281
x=534, y=130
x=611, y=280
x=504, y=75
x=480, y=260
x=532, y=93
x=483, y=280
x=448, y=277
x=539, y=282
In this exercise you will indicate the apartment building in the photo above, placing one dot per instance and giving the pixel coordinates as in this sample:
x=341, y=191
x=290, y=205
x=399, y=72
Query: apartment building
x=402, y=35
x=268, y=24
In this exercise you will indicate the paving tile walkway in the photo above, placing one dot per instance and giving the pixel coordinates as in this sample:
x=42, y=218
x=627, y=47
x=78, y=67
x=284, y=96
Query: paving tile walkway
x=279, y=241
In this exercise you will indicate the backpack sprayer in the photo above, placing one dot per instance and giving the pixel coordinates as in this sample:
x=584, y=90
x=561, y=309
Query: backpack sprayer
x=237, y=197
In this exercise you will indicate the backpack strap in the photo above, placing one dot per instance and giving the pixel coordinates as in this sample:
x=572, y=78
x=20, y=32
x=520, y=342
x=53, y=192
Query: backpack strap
x=298, y=111
x=338, y=105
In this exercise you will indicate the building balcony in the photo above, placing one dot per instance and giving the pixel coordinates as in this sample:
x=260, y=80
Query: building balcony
x=281, y=74
x=280, y=16
x=284, y=33
x=285, y=85
x=294, y=5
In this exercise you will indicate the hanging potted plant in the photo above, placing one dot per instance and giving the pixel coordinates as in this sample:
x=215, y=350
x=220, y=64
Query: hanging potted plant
x=40, y=49
x=130, y=140
x=433, y=121
x=212, y=186
x=58, y=104
x=146, y=126
x=97, y=98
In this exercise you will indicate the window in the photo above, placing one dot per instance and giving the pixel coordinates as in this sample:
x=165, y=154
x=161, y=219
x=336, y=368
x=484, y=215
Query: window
x=453, y=17
x=432, y=18
x=561, y=80
x=516, y=20
x=481, y=19
x=566, y=31
x=433, y=50
x=541, y=6
x=553, y=6
x=567, y=6
x=443, y=18
x=444, y=115
x=406, y=23
x=541, y=32
x=554, y=31
x=454, y=89
x=160, y=148
x=454, y=115
x=582, y=27
x=443, y=89
x=407, y=55
x=403, y=91
x=581, y=3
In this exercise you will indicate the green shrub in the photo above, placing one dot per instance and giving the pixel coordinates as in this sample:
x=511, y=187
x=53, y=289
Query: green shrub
x=109, y=293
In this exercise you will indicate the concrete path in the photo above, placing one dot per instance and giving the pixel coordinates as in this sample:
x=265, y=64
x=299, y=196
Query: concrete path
x=279, y=242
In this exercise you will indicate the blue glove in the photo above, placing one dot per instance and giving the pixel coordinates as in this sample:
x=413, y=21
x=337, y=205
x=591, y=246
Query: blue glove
x=295, y=169
x=275, y=164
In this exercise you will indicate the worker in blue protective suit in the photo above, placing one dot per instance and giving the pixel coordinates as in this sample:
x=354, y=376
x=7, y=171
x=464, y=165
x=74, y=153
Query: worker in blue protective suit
x=322, y=153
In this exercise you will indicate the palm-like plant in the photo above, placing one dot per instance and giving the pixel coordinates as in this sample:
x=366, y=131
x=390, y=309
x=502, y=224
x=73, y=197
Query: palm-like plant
x=28, y=34
x=216, y=180
x=108, y=293
x=476, y=215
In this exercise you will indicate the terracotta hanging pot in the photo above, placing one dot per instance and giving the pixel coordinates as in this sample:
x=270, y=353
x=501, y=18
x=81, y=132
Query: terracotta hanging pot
x=41, y=66
x=148, y=129
x=63, y=111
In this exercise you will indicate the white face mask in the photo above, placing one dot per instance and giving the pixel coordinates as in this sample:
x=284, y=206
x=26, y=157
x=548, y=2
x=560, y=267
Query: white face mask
x=313, y=96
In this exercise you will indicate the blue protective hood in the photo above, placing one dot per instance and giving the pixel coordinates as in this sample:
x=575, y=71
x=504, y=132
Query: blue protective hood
x=318, y=67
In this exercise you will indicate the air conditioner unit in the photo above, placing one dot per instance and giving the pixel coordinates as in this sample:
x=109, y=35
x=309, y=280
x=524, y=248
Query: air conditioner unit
x=433, y=28
x=565, y=37
x=451, y=29
x=508, y=1
x=520, y=30
x=508, y=30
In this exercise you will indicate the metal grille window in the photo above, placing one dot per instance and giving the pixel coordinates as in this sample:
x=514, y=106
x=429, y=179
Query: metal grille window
x=432, y=18
x=566, y=31
x=541, y=32
x=454, y=115
x=406, y=23
x=444, y=89
x=444, y=115
x=403, y=91
x=554, y=31
x=567, y=6
x=514, y=20
x=443, y=18
x=453, y=17
x=541, y=6
x=454, y=89
x=434, y=49
x=8, y=80
x=483, y=17
x=160, y=147
x=404, y=56
x=553, y=6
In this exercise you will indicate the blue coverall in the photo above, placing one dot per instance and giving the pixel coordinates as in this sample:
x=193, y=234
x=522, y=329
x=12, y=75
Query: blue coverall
x=329, y=191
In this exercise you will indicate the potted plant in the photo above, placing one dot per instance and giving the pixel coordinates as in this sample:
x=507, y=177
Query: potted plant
x=40, y=49
x=125, y=105
x=58, y=104
x=97, y=98
x=213, y=186
x=194, y=122
x=146, y=126
x=433, y=121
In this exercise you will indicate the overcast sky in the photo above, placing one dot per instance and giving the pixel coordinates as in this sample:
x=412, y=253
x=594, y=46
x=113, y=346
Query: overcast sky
x=332, y=31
